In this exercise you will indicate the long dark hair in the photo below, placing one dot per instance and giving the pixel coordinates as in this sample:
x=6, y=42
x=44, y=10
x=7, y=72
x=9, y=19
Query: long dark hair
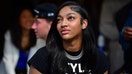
x=16, y=30
x=54, y=41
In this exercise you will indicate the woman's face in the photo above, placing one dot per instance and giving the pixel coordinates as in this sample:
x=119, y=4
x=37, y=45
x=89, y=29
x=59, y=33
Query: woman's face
x=69, y=23
x=26, y=19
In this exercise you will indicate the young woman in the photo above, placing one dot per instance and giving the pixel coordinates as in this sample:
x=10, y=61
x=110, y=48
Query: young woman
x=20, y=42
x=70, y=48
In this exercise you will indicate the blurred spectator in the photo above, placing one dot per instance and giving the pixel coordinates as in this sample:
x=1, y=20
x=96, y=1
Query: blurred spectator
x=125, y=38
x=109, y=30
x=44, y=15
x=20, y=42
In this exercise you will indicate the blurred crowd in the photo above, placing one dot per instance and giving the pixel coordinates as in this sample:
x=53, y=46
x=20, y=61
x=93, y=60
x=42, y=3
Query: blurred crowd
x=110, y=18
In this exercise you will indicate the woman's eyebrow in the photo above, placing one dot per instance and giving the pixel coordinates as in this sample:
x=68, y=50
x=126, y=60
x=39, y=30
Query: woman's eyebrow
x=59, y=16
x=71, y=14
x=67, y=14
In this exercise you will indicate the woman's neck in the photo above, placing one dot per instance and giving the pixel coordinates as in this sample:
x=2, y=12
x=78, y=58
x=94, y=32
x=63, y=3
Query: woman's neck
x=25, y=39
x=73, y=45
x=25, y=33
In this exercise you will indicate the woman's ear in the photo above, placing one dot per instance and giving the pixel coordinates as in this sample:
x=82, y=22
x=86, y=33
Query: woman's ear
x=84, y=23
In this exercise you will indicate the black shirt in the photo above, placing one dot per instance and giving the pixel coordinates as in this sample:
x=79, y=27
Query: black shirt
x=75, y=66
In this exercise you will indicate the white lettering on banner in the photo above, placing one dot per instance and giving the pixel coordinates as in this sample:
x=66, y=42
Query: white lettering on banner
x=75, y=66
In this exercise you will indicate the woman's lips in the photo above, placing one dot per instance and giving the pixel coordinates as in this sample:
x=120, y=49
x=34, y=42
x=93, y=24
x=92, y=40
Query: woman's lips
x=63, y=32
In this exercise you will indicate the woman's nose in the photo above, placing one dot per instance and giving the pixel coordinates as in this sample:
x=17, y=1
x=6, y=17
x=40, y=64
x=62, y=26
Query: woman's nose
x=64, y=23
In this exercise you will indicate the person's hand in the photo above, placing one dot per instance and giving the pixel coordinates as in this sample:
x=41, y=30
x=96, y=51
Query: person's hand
x=127, y=34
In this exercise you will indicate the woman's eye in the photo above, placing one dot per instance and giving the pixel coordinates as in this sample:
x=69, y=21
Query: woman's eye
x=58, y=20
x=71, y=18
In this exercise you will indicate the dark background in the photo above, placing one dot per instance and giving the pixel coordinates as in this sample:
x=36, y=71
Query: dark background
x=8, y=9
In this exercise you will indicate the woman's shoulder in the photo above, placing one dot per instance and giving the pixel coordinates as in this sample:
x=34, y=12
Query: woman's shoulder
x=101, y=56
x=41, y=52
x=40, y=60
x=42, y=49
x=102, y=61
